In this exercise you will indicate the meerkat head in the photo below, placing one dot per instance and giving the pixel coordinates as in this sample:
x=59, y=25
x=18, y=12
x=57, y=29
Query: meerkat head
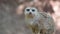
x=30, y=12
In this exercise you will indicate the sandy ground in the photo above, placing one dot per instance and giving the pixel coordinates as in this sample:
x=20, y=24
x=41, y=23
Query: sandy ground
x=10, y=23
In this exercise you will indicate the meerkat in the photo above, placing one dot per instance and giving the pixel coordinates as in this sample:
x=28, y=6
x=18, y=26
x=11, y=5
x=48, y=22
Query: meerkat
x=38, y=22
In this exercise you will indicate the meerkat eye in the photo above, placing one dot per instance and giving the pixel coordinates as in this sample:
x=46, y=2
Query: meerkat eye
x=33, y=10
x=27, y=9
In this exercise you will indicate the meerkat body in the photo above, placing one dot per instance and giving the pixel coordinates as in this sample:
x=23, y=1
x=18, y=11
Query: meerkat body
x=39, y=22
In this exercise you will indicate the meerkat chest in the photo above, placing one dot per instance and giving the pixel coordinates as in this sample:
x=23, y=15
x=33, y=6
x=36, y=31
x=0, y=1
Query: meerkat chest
x=29, y=21
x=32, y=21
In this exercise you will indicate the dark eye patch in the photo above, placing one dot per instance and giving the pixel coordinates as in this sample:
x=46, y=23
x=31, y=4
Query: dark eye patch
x=27, y=9
x=33, y=10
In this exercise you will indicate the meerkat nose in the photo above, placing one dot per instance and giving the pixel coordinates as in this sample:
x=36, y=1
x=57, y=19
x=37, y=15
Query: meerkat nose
x=30, y=13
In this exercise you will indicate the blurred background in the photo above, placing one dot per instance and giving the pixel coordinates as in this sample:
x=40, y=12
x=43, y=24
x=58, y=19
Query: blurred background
x=12, y=17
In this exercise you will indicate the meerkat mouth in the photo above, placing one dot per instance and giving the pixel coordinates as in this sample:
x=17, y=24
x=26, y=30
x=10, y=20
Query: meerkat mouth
x=30, y=16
